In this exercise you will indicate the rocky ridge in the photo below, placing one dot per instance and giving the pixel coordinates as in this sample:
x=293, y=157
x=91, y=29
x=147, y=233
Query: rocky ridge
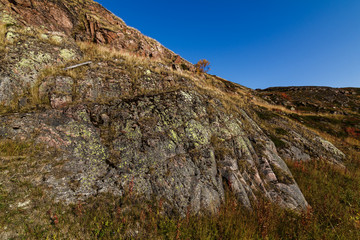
x=138, y=118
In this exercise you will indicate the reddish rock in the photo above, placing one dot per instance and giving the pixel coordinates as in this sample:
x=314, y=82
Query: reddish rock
x=177, y=60
x=88, y=21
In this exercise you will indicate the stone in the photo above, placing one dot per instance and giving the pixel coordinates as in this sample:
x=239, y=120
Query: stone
x=24, y=204
x=115, y=124
x=59, y=102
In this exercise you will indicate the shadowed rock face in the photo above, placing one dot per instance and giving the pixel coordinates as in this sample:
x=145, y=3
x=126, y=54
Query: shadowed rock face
x=147, y=126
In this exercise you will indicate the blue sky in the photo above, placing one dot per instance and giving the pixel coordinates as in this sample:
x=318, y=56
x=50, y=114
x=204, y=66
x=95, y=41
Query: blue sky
x=257, y=43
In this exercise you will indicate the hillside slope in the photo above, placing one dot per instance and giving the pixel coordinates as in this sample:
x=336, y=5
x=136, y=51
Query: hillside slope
x=137, y=120
x=333, y=112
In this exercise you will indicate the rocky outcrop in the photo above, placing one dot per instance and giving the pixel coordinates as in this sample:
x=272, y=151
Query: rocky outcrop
x=296, y=143
x=27, y=56
x=144, y=122
x=86, y=21
x=166, y=145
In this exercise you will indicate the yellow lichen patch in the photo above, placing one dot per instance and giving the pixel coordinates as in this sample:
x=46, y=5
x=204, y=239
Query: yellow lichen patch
x=196, y=132
x=67, y=54
x=6, y=18
x=43, y=36
x=10, y=37
x=56, y=40
x=174, y=136
x=32, y=59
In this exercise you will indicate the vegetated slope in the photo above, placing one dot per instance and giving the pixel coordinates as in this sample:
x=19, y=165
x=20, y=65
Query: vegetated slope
x=137, y=120
x=334, y=114
x=331, y=111
x=338, y=101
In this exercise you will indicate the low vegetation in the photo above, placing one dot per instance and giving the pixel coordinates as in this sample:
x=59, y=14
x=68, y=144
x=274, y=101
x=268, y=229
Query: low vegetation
x=98, y=52
x=229, y=93
x=27, y=211
x=333, y=195
x=202, y=66
x=2, y=36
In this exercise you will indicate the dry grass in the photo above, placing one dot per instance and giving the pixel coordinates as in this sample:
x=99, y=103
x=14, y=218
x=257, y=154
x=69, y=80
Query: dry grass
x=53, y=71
x=34, y=95
x=39, y=100
x=264, y=104
x=94, y=51
x=310, y=121
x=318, y=130
x=279, y=108
x=352, y=141
x=333, y=196
x=3, y=30
x=21, y=164
x=203, y=83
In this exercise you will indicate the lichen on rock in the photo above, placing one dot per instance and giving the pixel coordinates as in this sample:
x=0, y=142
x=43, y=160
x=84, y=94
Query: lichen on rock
x=135, y=121
x=67, y=54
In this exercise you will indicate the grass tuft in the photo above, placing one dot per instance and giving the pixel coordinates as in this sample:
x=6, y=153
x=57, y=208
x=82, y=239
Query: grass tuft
x=3, y=30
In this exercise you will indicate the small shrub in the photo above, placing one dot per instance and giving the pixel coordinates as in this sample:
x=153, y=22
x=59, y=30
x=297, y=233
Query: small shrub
x=203, y=66
x=285, y=96
x=353, y=132
x=265, y=115
x=281, y=131
x=277, y=141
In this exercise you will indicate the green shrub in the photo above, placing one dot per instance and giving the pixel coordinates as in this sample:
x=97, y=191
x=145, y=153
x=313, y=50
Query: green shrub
x=265, y=114
x=277, y=141
x=281, y=131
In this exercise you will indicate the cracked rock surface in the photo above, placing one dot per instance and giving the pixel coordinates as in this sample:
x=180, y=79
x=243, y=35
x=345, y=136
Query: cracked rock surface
x=166, y=145
x=150, y=125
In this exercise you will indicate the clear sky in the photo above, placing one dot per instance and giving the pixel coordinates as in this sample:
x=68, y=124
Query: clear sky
x=257, y=43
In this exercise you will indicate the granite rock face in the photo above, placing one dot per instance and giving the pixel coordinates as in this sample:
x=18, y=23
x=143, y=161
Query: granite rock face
x=166, y=145
x=150, y=125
